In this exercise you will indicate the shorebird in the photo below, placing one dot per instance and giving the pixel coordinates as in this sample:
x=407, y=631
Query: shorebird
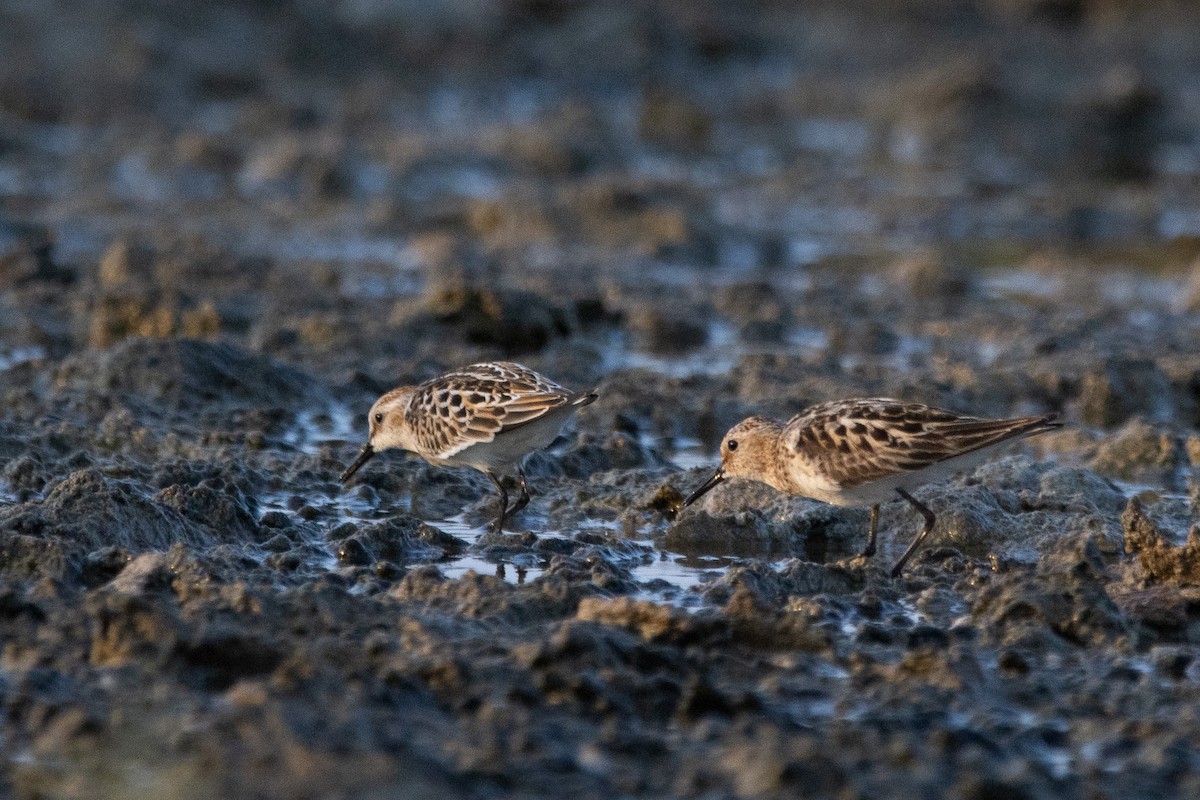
x=485, y=416
x=863, y=452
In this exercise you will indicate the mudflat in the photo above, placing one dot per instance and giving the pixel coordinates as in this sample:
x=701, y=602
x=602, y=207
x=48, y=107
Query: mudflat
x=226, y=228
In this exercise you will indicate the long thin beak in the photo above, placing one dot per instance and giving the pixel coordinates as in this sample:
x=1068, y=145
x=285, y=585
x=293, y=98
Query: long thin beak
x=716, y=478
x=364, y=456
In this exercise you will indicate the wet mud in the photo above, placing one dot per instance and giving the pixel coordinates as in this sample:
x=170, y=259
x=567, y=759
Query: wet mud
x=225, y=229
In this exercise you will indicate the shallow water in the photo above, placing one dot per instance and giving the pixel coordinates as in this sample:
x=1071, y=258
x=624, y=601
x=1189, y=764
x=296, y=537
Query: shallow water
x=12, y=356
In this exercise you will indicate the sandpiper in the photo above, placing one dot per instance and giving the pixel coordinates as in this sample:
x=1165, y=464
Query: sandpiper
x=485, y=416
x=864, y=451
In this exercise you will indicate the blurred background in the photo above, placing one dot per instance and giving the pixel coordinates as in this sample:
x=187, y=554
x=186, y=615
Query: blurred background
x=240, y=169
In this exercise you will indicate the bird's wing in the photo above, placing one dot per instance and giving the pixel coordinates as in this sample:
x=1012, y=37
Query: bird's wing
x=859, y=441
x=475, y=404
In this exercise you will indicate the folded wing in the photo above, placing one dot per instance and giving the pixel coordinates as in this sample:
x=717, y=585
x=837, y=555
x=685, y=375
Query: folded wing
x=477, y=403
x=860, y=441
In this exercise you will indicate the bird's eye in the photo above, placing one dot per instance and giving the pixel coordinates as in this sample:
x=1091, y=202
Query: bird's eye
x=378, y=417
x=731, y=445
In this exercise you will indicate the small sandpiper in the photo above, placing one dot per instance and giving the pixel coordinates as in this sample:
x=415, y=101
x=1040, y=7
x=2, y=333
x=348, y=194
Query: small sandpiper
x=864, y=451
x=485, y=416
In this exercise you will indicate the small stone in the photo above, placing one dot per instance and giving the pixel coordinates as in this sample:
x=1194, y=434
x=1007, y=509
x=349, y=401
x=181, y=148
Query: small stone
x=275, y=519
x=352, y=552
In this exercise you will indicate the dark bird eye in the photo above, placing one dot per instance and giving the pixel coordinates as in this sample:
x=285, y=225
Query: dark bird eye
x=731, y=444
x=379, y=417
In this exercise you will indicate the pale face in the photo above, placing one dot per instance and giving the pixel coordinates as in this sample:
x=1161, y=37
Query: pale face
x=385, y=421
x=385, y=426
x=747, y=451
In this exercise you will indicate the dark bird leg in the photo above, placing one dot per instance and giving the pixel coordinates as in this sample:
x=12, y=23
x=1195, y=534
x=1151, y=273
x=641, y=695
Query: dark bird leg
x=523, y=500
x=497, y=525
x=912, y=548
x=869, y=550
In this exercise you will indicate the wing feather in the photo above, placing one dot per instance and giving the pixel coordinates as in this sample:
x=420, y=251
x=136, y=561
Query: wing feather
x=859, y=441
x=476, y=404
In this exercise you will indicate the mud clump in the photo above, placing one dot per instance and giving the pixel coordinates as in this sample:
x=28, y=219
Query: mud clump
x=515, y=321
x=1122, y=389
x=399, y=540
x=1162, y=561
x=1141, y=452
x=89, y=511
x=187, y=373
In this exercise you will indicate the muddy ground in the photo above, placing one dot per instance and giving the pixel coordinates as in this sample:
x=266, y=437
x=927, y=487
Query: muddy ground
x=225, y=228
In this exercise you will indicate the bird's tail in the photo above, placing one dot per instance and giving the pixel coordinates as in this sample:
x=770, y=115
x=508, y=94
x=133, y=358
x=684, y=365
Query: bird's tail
x=586, y=398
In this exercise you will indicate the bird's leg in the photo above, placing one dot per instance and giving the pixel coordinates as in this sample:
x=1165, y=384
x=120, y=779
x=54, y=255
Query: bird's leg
x=869, y=550
x=497, y=525
x=523, y=500
x=912, y=548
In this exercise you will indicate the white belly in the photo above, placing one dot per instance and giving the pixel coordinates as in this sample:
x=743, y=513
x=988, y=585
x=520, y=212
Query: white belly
x=509, y=448
x=878, y=491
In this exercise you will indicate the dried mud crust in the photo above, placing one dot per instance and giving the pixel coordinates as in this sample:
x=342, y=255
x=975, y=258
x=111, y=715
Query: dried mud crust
x=225, y=230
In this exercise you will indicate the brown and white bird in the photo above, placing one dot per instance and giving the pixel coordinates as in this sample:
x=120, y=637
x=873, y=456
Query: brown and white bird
x=486, y=416
x=862, y=452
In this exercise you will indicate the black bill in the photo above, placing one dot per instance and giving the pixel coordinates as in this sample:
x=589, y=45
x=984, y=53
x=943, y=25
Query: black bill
x=716, y=478
x=364, y=456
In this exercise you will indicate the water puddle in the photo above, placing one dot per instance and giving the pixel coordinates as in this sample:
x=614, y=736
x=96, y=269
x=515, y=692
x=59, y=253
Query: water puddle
x=717, y=357
x=517, y=568
x=330, y=426
x=661, y=576
x=10, y=357
x=690, y=453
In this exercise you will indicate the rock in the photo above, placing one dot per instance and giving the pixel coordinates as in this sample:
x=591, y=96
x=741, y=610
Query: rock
x=941, y=110
x=510, y=222
x=26, y=258
x=1189, y=298
x=756, y=308
x=970, y=519
x=132, y=628
x=744, y=534
x=125, y=262
x=595, y=454
x=629, y=218
x=751, y=301
x=1065, y=601
x=147, y=572
x=1011, y=474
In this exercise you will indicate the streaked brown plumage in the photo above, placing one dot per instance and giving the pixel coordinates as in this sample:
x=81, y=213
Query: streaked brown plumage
x=486, y=416
x=862, y=452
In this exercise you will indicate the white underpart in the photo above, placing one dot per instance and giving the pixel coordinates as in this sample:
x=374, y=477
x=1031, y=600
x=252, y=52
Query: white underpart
x=508, y=448
x=820, y=487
